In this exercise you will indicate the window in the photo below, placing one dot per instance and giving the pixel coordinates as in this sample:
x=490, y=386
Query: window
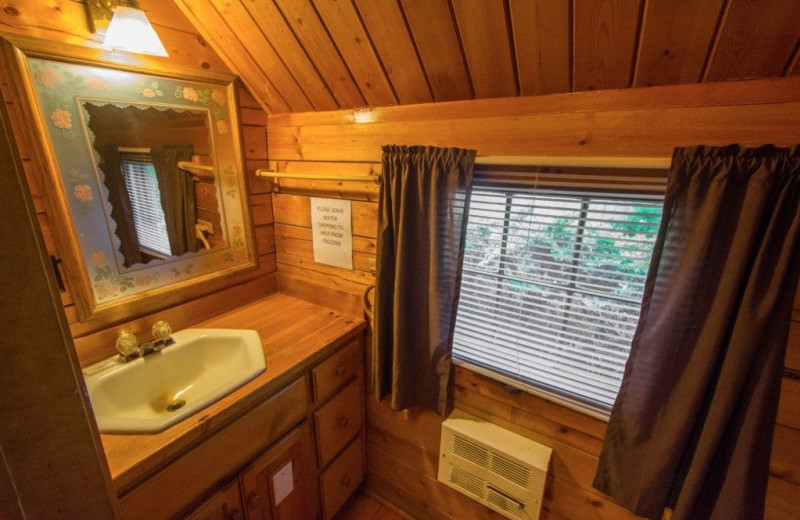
x=148, y=214
x=552, y=286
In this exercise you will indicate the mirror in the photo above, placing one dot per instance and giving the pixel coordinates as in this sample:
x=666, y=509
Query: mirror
x=147, y=171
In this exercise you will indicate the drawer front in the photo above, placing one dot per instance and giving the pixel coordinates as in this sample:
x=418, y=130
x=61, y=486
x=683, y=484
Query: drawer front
x=337, y=369
x=339, y=421
x=164, y=494
x=342, y=478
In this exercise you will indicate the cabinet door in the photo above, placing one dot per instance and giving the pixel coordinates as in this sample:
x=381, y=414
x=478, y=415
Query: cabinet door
x=282, y=484
x=222, y=505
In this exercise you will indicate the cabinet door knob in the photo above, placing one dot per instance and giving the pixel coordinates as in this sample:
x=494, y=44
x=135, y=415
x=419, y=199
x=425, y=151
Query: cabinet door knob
x=341, y=370
x=342, y=422
x=253, y=500
x=345, y=480
x=236, y=514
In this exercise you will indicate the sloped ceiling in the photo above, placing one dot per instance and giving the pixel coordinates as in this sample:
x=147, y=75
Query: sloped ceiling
x=312, y=55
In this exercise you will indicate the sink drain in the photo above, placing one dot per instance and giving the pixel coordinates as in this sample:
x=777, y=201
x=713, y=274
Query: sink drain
x=176, y=405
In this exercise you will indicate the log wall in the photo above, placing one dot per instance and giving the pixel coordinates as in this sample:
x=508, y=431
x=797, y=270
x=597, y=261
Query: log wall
x=403, y=447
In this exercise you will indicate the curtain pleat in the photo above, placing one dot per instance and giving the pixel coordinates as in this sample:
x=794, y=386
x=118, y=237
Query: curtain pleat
x=121, y=209
x=692, y=425
x=421, y=233
x=177, y=196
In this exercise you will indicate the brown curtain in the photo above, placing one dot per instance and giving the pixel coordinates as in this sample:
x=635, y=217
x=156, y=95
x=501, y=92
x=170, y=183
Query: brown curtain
x=177, y=196
x=692, y=425
x=421, y=232
x=121, y=210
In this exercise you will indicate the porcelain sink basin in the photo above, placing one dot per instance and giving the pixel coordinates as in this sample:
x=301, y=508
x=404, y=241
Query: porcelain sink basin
x=150, y=394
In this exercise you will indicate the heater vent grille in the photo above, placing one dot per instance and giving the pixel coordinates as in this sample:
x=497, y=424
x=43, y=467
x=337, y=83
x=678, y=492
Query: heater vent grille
x=509, y=469
x=502, y=470
x=470, y=451
x=508, y=504
x=467, y=482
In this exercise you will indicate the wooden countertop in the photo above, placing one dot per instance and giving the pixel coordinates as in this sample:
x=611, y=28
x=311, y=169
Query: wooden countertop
x=295, y=335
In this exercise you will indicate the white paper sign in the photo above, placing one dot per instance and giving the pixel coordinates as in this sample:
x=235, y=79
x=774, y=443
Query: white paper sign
x=332, y=232
x=282, y=483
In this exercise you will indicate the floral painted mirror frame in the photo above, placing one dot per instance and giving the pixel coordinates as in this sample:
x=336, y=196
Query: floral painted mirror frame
x=55, y=86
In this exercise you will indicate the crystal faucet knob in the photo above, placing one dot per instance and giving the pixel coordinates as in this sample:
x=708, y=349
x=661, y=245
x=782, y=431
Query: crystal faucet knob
x=161, y=330
x=127, y=344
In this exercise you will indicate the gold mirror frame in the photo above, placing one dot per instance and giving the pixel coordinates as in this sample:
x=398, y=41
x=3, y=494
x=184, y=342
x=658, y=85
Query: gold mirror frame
x=172, y=281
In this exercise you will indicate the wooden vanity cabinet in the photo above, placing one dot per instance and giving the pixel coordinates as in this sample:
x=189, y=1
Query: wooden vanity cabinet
x=272, y=462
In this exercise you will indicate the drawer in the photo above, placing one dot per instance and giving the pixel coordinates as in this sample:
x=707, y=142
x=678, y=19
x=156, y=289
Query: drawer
x=339, y=421
x=337, y=369
x=342, y=478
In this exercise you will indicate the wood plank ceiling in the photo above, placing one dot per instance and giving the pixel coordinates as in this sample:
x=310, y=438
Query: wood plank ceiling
x=311, y=55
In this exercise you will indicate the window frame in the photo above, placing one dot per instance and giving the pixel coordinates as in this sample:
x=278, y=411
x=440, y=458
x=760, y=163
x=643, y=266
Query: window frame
x=615, y=184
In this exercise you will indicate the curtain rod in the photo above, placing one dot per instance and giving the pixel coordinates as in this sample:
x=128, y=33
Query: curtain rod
x=659, y=163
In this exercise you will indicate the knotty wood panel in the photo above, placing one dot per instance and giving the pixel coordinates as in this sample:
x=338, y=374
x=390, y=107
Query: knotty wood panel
x=308, y=29
x=387, y=28
x=240, y=22
x=487, y=46
x=756, y=39
x=541, y=31
x=674, y=42
x=434, y=33
x=344, y=26
x=604, y=41
x=271, y=23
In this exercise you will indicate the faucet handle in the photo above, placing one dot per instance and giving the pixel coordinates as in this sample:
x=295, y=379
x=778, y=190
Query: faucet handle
x=127, y=344
x=162, y=331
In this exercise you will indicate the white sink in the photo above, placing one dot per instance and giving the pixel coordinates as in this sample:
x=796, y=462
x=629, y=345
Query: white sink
x=150, y=394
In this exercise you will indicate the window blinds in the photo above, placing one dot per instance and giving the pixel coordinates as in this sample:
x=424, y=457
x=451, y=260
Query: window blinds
x=552, y=285
x=148, y=214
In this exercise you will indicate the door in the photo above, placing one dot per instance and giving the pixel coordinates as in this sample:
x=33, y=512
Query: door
x=281, y=484
x=222, y=505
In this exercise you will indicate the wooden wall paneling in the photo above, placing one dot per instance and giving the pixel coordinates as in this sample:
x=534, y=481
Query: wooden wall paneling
x=626, y=133
x=266, y=59
x=261, y=209
x=390, y=35
x=434, y=32
x=255, y=142
x=348, y=33
x=306, y=25
x=783, y=500
x=733, y=94
x=486, y=43
x=604, y=41
x=756, y=39
x=785, y=459
x=541, y=32
x=226, y=43
x=265, y=239
x=275, y=29
x=331, y=297
x=674, y=42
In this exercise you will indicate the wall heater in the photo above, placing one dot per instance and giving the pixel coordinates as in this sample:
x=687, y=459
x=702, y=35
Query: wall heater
x=500, y=469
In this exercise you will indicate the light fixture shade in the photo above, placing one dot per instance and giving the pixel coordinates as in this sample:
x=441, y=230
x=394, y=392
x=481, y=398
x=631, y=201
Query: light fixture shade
x=130, y=30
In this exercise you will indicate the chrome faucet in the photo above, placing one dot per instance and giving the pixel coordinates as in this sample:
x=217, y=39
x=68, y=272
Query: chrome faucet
x=129, y=347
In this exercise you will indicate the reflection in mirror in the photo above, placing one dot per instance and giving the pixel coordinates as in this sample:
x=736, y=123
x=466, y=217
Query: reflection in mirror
x=159, y=210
